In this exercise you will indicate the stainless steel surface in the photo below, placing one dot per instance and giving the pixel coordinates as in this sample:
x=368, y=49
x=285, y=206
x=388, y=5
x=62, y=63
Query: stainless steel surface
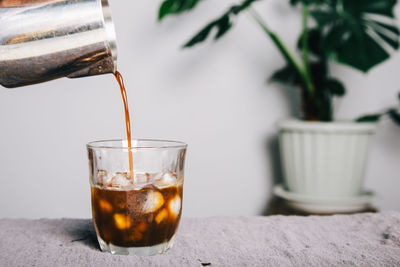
x=41, y=40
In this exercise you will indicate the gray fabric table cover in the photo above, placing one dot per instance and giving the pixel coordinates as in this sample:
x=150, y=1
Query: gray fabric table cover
x=340, y=240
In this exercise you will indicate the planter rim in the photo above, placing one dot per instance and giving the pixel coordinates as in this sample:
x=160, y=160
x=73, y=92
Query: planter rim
x=332, y=127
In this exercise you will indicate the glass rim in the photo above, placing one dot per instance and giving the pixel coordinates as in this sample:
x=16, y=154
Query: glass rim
x=167, y=144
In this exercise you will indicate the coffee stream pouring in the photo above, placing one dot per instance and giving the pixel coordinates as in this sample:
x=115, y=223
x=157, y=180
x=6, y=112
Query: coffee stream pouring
x=41, y=40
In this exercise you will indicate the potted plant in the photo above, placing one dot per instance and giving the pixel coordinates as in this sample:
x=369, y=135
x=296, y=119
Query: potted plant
x=320, y=157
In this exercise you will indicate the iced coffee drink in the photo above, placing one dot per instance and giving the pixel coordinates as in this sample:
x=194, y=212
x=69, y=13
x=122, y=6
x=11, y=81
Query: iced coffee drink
x=137, y=214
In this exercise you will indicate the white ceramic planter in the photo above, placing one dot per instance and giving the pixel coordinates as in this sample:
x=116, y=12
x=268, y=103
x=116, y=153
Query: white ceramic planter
x=324, y=159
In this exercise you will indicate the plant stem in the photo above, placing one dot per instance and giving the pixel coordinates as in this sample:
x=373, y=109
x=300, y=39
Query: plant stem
x=305, y=54
x=289, y=57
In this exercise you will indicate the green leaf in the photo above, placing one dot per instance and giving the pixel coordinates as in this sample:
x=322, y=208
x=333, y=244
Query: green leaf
x=384, y=7
x=355, y=32
x=394, y=115
x=169, y=7
x=306, y=2
x=335, y=87
x=389, y=30
x=319, y=73
x=239, y=8
x=286, y=75
x=222, y=24
x=314, y=42
x=369, y=118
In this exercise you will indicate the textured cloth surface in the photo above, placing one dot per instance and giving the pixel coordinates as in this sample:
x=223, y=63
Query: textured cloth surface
x=340, y=240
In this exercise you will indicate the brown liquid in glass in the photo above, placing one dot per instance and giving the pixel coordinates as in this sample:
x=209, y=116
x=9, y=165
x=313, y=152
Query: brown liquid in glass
x=120, y=220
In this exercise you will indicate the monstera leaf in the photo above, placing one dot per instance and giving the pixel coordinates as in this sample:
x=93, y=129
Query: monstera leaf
x=169, y=7
x=322, y=81
x=357, y=32
x=393, y=114
x=314, y=42
x=287, y=75
x=222, y=24
x=335, y=87
x=306, y=2
x=370, y=118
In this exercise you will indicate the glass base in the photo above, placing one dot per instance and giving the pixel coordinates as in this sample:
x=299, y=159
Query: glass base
x=138, y=251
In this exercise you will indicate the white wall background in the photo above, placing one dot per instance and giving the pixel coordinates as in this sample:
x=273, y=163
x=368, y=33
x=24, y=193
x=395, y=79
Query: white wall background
x=214, y=97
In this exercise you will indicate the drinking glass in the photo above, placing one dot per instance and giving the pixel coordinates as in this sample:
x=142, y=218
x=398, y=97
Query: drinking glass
x=136, y=212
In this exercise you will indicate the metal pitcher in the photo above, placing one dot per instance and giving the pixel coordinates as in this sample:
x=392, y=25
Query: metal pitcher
x=41, y=40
